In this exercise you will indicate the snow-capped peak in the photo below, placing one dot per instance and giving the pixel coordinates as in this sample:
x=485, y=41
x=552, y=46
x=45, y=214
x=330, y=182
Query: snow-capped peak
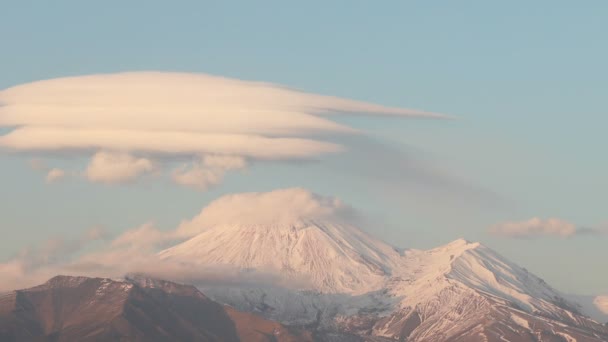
x=325, y=256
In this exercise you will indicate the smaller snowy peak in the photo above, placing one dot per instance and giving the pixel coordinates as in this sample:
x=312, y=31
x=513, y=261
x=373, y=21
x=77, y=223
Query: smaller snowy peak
x=458, y=242
x=487, y=272
x=471, y=266
x=454, y=248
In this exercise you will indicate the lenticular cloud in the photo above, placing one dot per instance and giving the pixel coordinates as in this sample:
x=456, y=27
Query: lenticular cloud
x=158, y=115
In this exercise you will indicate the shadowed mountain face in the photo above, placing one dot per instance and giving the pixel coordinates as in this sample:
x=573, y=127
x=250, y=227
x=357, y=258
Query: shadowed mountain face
x=97, y=309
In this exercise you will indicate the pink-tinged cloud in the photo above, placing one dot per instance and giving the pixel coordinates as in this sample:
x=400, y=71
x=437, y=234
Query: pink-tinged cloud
x=207, y=172
x=55, y=175
x=601, y=303
x=137, y=250
x=537, y=227
x=158, y=115
x=113, y=168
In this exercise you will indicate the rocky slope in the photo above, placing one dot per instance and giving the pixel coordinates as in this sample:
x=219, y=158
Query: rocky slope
x=97, y=309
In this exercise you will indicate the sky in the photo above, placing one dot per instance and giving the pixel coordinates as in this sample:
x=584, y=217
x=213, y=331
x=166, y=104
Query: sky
x=519, y=165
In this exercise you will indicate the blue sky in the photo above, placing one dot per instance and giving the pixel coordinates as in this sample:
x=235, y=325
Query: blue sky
x=526, y=81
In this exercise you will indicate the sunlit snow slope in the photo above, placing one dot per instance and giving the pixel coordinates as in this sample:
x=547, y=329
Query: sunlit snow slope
x=332, y=275
x=328, y=257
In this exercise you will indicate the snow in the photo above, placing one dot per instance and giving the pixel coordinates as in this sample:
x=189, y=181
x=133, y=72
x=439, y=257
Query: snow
x=567, y=337
x=485, y=270
x=522, y=322
x=310, y=255
x=338, y=258
x=331, y=273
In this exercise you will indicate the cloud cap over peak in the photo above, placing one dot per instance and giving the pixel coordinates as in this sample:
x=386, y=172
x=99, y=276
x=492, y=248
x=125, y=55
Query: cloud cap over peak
x=290, y=206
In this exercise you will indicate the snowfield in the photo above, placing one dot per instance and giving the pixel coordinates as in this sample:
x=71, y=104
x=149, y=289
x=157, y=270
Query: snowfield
x=335, y=277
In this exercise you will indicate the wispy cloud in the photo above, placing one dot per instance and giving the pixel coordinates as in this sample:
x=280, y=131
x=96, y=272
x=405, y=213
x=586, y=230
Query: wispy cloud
x=537, y=227
x=207, y=172
x=136, y=250
x=127, y=120
x=54, y=175
x=114, y=168
x=34, y=263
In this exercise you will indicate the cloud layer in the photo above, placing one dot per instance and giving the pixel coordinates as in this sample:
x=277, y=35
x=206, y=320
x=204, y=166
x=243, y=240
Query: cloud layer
x=157, y=115
x=537, y=227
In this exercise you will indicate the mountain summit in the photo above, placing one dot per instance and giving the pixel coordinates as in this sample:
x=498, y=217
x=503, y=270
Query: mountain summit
x=319, y=255
x=328, y=273
x=304, y=270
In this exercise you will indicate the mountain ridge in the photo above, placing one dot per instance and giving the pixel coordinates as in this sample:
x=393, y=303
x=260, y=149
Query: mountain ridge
x=67, y=308
x=406, y=294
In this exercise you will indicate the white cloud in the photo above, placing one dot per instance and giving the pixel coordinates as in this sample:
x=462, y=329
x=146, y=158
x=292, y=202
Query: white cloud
x=275, y=207
x=34, y=265
x=142, y=237
x=601, y=303
x=210, y=171
x=117, y=167
x=537, y=227
x=55, y=175
x=164, y=143
x=168, y=114
x=135, y=251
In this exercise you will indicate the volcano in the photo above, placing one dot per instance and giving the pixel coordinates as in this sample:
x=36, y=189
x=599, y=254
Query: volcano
x=332, y=275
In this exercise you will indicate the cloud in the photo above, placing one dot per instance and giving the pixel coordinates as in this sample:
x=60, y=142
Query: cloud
x=537, y=227
x=55, y=175
x=284, y=206
x=114, y=168
x=601, y=303
x=38, y=165
x=210, y=171
x=34, y=264
x=163, y=115
x=94, y=253
x=143, y=237
x=136, y=250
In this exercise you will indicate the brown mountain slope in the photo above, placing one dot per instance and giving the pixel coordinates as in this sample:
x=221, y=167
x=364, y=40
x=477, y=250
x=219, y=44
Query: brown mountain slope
x=96, y=309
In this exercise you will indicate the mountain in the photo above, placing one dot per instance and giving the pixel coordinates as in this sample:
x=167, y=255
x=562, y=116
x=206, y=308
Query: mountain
x=345, y=284
x=290, y=265
x=326, y=256
x=135, y=309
